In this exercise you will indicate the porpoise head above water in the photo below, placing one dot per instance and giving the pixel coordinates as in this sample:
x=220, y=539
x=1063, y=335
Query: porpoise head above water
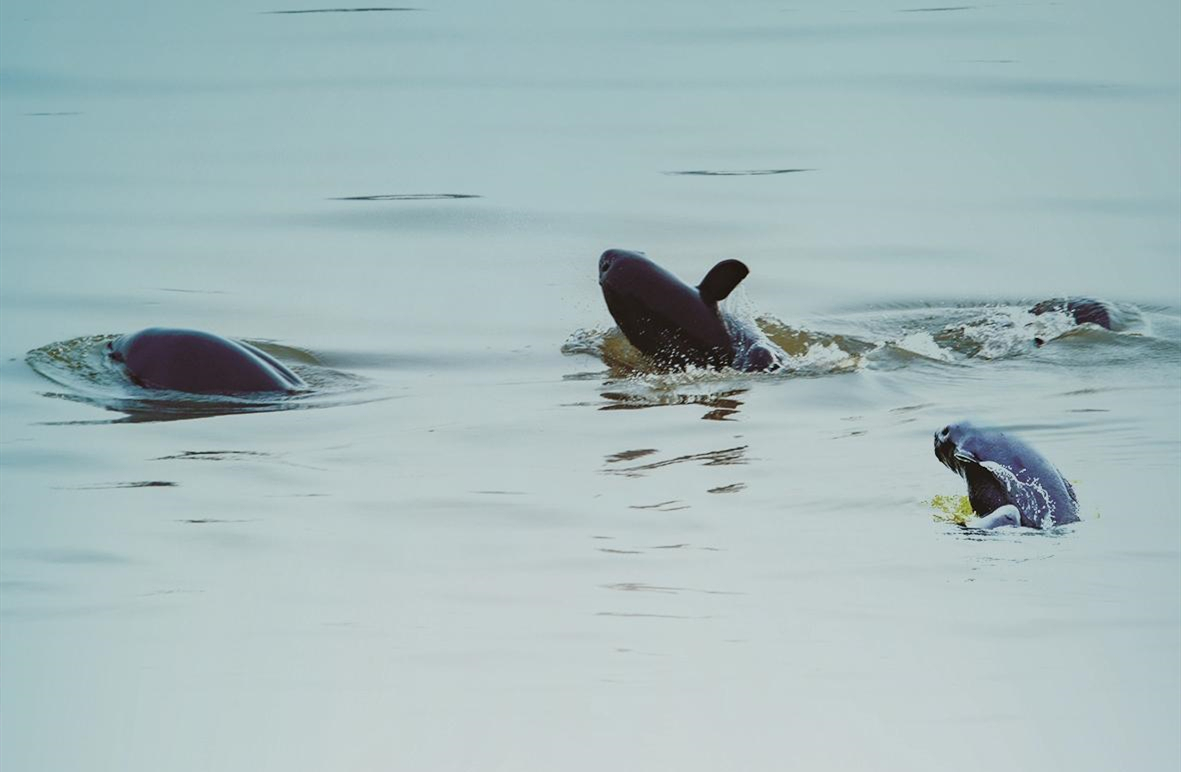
x=673, y=323
x=1009, y=483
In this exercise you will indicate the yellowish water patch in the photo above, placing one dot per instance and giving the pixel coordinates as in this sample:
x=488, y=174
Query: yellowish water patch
x=951, y=509
x=957, y=509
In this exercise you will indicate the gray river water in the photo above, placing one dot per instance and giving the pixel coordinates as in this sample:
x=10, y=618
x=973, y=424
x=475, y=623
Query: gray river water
x=491, y=538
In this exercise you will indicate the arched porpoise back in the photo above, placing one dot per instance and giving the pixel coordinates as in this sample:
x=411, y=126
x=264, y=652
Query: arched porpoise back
x=200, y=363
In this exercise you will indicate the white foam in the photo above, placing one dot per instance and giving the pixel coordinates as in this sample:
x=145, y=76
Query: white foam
x=1032, y=497
x=924, y=344
x=1008, y=331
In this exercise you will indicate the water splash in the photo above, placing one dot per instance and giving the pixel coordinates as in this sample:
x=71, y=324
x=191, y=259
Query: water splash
x=797, y=352
x=1030, y=496
x=900, y=337
x=960, y=333
x=999, y=332
x=923, y=343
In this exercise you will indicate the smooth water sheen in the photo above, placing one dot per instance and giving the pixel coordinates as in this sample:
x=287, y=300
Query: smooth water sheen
x=500, y=540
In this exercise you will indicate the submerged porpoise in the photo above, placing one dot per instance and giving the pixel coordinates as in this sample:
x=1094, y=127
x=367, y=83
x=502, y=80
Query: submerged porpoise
x=1084, y=311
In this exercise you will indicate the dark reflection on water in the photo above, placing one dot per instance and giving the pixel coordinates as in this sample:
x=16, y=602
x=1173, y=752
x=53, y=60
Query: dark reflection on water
x=737, y=173
x=672, y=505
x=641, y=587
x=629, y=455
x=911, y=408
x=152, y=411
x=208, y=521
x=407, y=197
x=119, y=485
x=340, y=10
x=149, y=411
x=233, y=455
x=722, y=457
x=938, y=9
x=722, y=402
x=213, y=455
x=1009, y=536
x=634, y=614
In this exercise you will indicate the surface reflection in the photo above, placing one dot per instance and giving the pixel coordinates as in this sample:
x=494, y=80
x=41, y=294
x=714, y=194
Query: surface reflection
x=407, y=197
x=722, y=404
x=722, y=457
x=338, y=10
x=628, y=455
x=736, y=172
x=641, y=587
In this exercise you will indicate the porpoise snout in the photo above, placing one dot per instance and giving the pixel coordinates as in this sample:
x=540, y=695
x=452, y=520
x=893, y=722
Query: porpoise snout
x=605, y=262
x=944, y=447
x=613, y=256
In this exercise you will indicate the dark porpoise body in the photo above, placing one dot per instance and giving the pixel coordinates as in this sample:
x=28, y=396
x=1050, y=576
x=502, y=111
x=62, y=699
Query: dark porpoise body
x=678, y=325
x=1009, y=483
x=200, y=363
x=1084, y=311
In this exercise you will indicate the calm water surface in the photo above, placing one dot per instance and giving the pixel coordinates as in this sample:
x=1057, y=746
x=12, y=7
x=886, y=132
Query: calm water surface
x=487, y=543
